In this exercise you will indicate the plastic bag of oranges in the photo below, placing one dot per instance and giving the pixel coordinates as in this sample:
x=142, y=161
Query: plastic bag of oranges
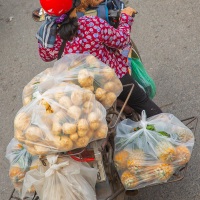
x=20, y=163
x=151, y=150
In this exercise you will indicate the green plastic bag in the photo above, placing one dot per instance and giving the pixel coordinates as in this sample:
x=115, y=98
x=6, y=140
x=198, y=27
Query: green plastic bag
x=139, y=73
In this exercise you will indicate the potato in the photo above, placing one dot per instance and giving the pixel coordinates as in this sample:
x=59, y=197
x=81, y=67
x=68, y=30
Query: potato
x=77, y=97
x=93, y=117
x=108, y=73
x=110, y=99
x=100, y=94
x=90, y=88
x=94, y=125
x=74, y=112
x=88, y=96
x=69, y=128
x=60, y=116
x=58, y=95
x=19, y=135
x=34, y=134
x=109, y=87
x=90, y=134
x=82, y=133
x=74, y=137
x=46, y=119
x=85, y=78
x=63, y=143
x=22, y=121
x=102, y=131
x=66, y=102
x=91, y=60
x=41, y=150
x=27, y=100
x=27, y=91
x=87, y=107
x=82, y=124
x=82, y=141
x=56, y=128
x=99, y=113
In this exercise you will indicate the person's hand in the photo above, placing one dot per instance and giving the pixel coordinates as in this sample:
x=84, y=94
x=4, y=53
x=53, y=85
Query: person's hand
x=129, y=11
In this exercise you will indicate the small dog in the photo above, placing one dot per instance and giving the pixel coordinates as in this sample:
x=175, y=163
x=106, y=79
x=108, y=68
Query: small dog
x=87, y=3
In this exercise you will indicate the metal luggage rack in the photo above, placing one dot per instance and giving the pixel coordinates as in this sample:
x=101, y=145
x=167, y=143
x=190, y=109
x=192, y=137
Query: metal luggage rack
x=106, y=148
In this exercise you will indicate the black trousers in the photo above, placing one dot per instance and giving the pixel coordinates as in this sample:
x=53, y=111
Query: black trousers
x=138, y=100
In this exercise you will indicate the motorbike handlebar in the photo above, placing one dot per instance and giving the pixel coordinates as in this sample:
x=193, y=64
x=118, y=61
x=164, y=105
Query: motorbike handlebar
x=117, y=7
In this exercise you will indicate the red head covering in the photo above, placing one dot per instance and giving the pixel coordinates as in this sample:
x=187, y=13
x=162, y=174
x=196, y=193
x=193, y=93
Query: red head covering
x=56, y=7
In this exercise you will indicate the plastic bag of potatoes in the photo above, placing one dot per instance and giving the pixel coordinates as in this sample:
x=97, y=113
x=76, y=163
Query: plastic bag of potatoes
x=150, y=151
x=20, y=163
x=63, y=118
x=81, y=69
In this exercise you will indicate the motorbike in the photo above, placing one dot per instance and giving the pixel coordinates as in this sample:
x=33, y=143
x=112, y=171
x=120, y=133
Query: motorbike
x=99, y=154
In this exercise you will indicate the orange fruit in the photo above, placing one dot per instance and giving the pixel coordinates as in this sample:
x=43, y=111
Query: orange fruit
x=120, y=159
x=163, y=171
x=182, y=155
x=129, y=180
x=166, y=152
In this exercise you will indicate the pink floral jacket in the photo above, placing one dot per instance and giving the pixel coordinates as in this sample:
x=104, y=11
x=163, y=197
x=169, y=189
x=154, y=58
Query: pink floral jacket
x=97, y=37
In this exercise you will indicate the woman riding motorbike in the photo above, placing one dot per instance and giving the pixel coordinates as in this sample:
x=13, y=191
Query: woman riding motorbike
x=62, y=29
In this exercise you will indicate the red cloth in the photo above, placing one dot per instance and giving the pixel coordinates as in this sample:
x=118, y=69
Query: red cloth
x=97, y=37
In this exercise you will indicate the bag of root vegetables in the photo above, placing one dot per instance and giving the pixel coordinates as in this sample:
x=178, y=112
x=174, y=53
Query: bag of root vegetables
x=81, y=69
x=20, y=163
x=151, y=150
x=62, y=178
x=61, y=119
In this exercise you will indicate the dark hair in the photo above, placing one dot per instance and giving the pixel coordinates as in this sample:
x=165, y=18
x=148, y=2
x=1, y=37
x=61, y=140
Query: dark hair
x=68, y=29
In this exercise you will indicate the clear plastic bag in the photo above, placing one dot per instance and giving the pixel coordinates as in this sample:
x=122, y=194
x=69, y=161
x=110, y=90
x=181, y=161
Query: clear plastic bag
x=83, y=70
x=61, y=119
x=20, y=163
x=149, y=151
x=62, y=179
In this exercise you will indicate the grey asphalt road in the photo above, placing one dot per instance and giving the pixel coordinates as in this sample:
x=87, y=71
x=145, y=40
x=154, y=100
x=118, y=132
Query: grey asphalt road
x=167, y=35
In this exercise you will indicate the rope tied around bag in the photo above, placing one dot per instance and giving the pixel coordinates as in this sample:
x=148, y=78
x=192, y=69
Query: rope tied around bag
x=37, y=95
x=55, y=167
x=143, y=122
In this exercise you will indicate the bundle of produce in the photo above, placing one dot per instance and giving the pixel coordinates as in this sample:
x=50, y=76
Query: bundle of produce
x=150, y=151
x=62, y=178
x=61, y=119
x=83, y=70
x=20, y=163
